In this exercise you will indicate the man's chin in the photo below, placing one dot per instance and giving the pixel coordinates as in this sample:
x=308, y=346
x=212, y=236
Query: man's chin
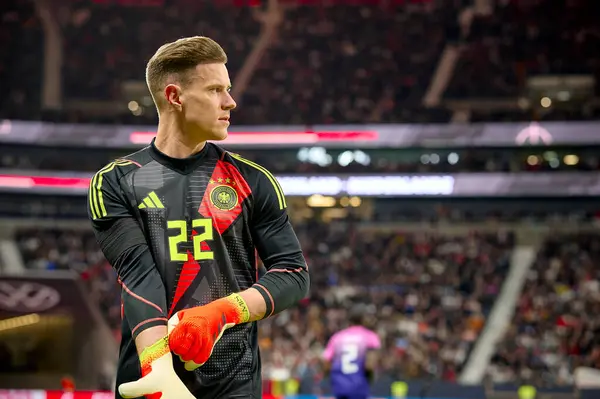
x=219, y=135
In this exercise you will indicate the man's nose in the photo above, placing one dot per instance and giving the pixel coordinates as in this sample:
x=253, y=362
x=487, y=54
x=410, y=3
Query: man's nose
x=229, y=103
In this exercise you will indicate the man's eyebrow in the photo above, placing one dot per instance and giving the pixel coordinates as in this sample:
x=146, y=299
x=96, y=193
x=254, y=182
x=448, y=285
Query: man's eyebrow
x=216, y=84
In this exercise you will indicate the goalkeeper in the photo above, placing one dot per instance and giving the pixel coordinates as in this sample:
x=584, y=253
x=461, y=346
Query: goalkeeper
x=183, y=223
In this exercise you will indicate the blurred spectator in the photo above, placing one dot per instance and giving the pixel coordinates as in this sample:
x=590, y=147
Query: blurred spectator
x=348, y=64
x=332, y=64
x=367, y=63
x=21, y=55
x=555, y=328
x=521, y=39
x=76, y=250
x=426, y=295
x=108, y=45
x=58, y=249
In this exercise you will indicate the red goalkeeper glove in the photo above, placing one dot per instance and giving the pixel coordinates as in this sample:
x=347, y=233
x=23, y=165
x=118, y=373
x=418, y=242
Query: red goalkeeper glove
x=194, y=332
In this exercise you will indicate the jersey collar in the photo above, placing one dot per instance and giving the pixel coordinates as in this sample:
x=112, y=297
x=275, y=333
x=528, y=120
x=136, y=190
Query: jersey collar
x=181, y=165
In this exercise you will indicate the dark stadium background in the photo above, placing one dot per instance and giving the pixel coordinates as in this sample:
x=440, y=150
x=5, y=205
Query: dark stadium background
x=440, y=157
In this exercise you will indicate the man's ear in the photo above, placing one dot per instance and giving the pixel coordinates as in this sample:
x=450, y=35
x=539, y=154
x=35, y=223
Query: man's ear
x=173, y=95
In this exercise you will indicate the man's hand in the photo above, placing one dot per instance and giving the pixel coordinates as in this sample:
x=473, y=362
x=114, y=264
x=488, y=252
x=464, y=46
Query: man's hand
x=194, y=332
x=159, y=380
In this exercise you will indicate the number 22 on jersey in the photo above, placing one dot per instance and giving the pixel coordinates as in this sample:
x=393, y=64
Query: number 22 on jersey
x=181, y=227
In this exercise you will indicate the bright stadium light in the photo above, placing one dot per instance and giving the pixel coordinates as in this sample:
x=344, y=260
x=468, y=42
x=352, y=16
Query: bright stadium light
x=355, y=202
x=571, y=160
x=320, y=201
x=546, y=102
x=315, y=155
x=319, y=156
x=362, y=158
x=345, y=158
x=133, y=106
x=532, y=160
x=453, y=158
x=303, y=154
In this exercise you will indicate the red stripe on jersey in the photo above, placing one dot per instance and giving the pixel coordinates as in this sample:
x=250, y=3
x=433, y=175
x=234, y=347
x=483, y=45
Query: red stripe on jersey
x=298, y=270
x=129, y=160
x=139, y=298
x=222, y=201
x=146, y=322
x=189, y=271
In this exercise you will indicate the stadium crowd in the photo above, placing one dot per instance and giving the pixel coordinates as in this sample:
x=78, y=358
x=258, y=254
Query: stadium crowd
x=22, y=41
x=55, y=249
x=552, y=332
x=338, y=63
x=427, y=295
x=345, y=64
x=520, y=39
x=108, y=45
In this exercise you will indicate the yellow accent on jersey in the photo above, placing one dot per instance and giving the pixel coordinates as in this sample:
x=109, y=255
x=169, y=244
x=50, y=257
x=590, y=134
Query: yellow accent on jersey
x=272, y=179
x=95, y=192
x=151, y=201
x=180, y=225
x=156, y=200
x=197, y=239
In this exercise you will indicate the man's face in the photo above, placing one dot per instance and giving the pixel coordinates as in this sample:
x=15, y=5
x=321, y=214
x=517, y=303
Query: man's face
x=206, y=102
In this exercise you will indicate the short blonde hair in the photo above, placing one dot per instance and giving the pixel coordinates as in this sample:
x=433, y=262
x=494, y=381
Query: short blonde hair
x=177, y=58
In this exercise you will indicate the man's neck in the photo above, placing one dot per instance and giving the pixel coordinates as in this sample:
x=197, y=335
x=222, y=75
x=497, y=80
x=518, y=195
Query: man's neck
x=172, y=141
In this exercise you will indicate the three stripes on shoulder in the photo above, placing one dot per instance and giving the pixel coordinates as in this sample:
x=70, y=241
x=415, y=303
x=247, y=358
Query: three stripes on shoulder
x=269, y=175
x=97, y=207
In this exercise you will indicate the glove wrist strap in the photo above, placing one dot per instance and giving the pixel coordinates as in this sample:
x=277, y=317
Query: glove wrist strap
x=155, y=351
x=242, y=311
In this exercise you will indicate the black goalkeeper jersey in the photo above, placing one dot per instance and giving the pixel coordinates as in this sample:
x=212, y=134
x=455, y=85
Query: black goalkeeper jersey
x=185, y=232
